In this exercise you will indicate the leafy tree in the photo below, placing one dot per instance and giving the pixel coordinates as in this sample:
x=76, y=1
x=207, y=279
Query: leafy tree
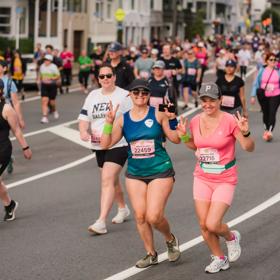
x=195, y=24
x=275, y=18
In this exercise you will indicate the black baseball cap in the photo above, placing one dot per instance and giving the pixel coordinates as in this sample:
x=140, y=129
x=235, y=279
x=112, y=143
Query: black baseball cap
x=139, y=84
x=231, y=63
x=209, y=90
x=115, y=46
x=3, y=63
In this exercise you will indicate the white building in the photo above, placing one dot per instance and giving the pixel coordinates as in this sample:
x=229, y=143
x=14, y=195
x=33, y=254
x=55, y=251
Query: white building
x=136, y=25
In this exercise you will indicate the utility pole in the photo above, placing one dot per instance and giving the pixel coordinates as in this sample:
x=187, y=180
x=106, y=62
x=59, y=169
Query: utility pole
x=174, y=19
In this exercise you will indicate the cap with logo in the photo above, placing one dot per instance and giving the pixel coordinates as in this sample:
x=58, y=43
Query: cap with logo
x=159, y=64
x=115, y=46
x=209, y=90
x=231, y=63
x=139, y=84
x=48, y=57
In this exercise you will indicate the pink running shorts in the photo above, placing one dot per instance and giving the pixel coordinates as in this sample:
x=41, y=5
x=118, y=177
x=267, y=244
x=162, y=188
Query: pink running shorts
x=211, y=191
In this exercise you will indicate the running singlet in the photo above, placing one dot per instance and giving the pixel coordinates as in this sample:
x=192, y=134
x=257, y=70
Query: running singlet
x=159, y=89
x=217, y=148
x=146, y=155
x=191, y=68
x=95, y=108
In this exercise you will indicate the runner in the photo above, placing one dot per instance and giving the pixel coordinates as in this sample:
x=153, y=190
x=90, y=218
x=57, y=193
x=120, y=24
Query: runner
x=9, y=120
x=267, y=89
x=149, y=175
x=244, y=58
x=67, y=58
x=213, y=134
x=191, y=78
x=158, y=85
x=85, y=67
x=220, y=63
x=143, y=65
x=111, y=161
x=202, y=56
x=232, y=90
x=48, y=77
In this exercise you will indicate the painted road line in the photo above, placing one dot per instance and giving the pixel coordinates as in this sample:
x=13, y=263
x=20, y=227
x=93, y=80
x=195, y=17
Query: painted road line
x=39, y=96
x=70, y=134
x=51, y=172
x=185, y=246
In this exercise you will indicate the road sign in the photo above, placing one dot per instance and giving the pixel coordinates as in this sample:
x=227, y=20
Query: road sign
x=119, y=15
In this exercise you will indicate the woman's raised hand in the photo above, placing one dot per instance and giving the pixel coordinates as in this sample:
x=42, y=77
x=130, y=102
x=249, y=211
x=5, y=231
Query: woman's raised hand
x=242, y=123
x=182, y=126
x=111, y=114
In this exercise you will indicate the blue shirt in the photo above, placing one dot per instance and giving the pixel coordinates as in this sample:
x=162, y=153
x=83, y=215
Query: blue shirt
x=5, y=79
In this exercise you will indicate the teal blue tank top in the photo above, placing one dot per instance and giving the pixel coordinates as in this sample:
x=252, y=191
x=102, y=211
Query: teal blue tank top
x=146, y=155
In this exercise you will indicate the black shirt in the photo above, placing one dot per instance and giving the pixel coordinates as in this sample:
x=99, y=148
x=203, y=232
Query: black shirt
x=158, y=88
x=231, y=88
x=171, y=63
x=124, y=75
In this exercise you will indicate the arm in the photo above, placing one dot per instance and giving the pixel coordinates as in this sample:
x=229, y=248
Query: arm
x=182, y=132
x=17, y=107
x=10, y=115
x=243, y=101
x=83, y=128
x=163, y=119
x=246, y=142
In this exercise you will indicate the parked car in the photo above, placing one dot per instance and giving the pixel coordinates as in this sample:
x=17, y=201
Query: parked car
x=30, y=78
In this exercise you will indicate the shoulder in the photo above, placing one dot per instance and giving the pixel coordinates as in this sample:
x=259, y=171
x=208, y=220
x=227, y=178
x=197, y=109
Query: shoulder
x=121, y=92
x=239, y=81
x=195, y=120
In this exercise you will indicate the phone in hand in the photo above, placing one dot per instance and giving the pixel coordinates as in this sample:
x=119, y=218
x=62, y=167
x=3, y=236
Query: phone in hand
x=171, y=108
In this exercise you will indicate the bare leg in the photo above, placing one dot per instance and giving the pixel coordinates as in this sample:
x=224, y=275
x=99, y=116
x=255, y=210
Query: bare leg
x=119, y=197
x=186, y=95
x=4, y=195
x=44, y=103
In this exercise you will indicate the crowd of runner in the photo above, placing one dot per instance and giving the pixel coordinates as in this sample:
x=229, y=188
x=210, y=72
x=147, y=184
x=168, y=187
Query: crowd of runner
x=133, y=96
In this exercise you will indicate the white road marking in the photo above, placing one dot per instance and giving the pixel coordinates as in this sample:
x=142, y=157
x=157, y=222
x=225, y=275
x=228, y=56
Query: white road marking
x=185, y=246
x=70, y=134
x=51, y=172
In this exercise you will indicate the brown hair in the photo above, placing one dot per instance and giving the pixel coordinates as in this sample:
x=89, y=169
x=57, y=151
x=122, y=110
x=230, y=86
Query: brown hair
x=269, y=55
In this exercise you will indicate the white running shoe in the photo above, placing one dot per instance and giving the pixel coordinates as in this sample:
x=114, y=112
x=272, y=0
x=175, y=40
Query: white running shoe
x=44, y=120
x=217, y=264
x=99, y=227
x=121, y=216
x=234, y=249
x=55, y=115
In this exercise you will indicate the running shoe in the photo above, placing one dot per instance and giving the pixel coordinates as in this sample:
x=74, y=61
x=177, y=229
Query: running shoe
x=55, y=115
x=121, y=216
x=44, y=120
x=173, y=250
x=99, y=227
x=10, y=167
x=148, y=260
x=233, y=246
x=10, y=211
x=217, y=264
x=269, y=136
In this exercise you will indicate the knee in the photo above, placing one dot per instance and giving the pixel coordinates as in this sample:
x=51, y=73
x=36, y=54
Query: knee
x=203, y=226
x=140, y=219
x=212, y=226
x=3, y=189
x=107, y=181
x=154, y=219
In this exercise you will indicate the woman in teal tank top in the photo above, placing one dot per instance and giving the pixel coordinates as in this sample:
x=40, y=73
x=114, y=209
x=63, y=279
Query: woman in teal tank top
x=150, y=174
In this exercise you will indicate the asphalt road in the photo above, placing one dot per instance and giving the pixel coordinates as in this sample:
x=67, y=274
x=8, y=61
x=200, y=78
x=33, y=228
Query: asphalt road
x=58, y=191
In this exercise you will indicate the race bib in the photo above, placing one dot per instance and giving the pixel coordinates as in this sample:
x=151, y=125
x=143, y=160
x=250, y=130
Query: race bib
x=95, y=137
x=168, y=73
x=270, y=87
x=191, y=71
x=155, y=101
x=144, y=75
x=142, y=149
x=228, y=101
x=208, y=155
x=201, y=60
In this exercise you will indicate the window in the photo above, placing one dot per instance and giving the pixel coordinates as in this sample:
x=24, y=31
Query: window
x=109, y=9
x=201, y=7
x=99, y=9
x=22, y=22
x=120, y=4
x=132, y=4
x=5, y=20
x=152, y=5
x=220, y=10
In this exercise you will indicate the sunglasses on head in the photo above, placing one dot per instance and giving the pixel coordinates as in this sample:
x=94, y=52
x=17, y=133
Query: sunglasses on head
x=137, y=92
x=102, y=76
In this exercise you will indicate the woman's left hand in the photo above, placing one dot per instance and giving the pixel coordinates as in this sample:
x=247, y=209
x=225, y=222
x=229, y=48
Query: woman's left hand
x=242, y=123
x=169, y=114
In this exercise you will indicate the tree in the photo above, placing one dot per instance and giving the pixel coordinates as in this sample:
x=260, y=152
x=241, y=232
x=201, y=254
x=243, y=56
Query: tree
x=195, y=24
x=275, y=18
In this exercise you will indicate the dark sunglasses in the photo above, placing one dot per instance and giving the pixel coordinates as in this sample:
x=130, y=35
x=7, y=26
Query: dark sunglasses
x=143, y=92
x=108, y=76
x=272, y=59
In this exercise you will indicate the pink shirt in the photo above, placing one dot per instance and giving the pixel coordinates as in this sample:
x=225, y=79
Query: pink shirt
x=67, y=58
x=218, y=147
x=272, y=88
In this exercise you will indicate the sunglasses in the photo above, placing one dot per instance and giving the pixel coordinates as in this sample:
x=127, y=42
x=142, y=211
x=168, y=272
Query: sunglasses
x=143, y=92
x=272, y=59
x=108, y=76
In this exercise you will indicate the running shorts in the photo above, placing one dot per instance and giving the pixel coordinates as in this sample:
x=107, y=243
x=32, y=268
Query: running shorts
x=116, y=155
x=49, y=91
x=148, y=179
x=5, y=156
x=210, y=191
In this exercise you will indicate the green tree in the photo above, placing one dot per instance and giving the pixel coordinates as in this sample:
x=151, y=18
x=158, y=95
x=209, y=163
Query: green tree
x=195, y=24
x=275, y=18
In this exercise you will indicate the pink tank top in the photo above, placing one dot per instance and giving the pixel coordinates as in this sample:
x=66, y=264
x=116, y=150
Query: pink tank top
x=273, y=83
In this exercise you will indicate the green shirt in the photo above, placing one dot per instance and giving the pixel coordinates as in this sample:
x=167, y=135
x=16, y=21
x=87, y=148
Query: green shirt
x=84, y=60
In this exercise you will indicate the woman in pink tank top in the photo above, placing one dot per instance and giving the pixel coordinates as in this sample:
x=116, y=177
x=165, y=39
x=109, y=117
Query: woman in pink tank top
x=213, y=134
